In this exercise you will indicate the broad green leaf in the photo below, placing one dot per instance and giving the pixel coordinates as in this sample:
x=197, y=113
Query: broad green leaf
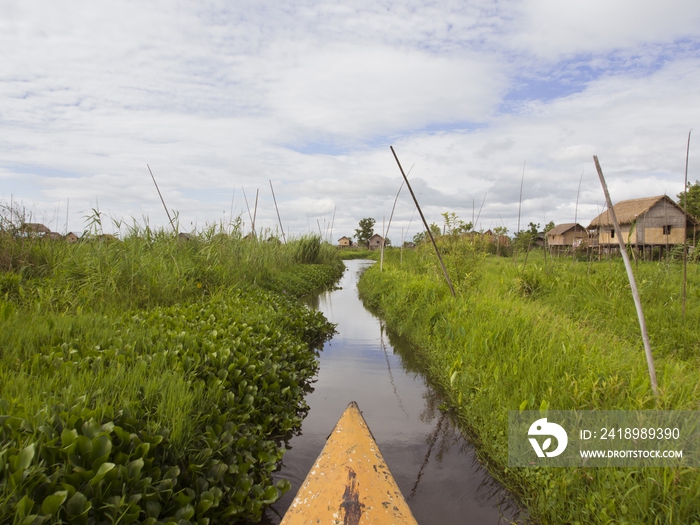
x=134, y=469
x=271, y=493
x=204, y=505
x=24, y=506
x=283, y=485
x=101, y=446
x=52, y=503
x=153, y=509
x=34, y=519
x=101, y=472
x=77, y=504
x=185, y=513
x=84, y=445
x=25, y=458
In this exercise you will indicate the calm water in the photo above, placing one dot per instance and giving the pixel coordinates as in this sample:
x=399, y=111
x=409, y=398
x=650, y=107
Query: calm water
x=434, y=466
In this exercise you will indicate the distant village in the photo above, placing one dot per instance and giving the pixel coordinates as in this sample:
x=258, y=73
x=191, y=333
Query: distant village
x=649, y=225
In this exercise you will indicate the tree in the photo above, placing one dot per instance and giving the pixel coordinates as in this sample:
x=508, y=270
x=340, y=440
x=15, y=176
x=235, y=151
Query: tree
x=453, y=224
x=421, y=237
x=693, y=199
x=524, y=239
x=499, y=231
x=365, y=231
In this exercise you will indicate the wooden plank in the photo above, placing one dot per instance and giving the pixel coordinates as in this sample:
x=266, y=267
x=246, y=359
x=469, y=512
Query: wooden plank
x=349, y=483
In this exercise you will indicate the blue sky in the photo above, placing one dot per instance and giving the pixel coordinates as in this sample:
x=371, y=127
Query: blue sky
x=215, y=95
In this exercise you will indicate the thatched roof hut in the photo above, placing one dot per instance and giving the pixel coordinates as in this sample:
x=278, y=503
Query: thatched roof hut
x=566, y=234
x=33, y=228
x=630, y=210
x=651, y=221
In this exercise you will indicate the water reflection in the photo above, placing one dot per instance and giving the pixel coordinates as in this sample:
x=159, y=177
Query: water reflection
x=434, y=466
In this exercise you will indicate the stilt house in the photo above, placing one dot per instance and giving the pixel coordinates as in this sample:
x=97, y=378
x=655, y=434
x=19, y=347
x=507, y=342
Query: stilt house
x=647, y=223
x=564, y=237
x=375, y=242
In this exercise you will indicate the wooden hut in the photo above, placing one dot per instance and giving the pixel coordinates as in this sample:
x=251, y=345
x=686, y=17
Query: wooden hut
x=564, y=237
x=71, y=238
x=33, y=229
x=344, y=242
x=375, y=242
x=106, y=237
x=646, y=223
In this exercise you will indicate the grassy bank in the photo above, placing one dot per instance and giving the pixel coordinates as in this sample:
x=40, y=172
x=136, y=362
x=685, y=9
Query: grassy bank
x=358, y=253
x=148, y=379
x=557, y=337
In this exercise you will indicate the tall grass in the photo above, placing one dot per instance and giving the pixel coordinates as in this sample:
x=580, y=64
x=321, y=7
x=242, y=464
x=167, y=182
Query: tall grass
x=150, y=379
x=147, y=268
x=553, y=338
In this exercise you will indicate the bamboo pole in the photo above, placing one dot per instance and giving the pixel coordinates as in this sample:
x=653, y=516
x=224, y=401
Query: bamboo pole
x=573, y=243
x=161, y=198
x=546, y=239
x=255, y=211
x=230, y=215
x=250, y=216
x=633, y=283
x=381, y=252
x=381, y=265
x=480, y=208
x=666, y=227
x=278, y=212
x=332, y=223
x=425, y=223
x=685, y=228
x=520, y=204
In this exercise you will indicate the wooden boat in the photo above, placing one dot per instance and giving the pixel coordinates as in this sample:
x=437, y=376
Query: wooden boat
x=349, y=483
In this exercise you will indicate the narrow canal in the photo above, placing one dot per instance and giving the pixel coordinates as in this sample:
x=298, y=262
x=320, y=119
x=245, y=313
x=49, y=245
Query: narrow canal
x=434, y=466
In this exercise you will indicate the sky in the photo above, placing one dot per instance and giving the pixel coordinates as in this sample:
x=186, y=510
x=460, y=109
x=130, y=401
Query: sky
x=221, y=98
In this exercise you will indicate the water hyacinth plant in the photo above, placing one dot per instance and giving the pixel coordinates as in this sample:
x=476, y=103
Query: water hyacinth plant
x=149, y=379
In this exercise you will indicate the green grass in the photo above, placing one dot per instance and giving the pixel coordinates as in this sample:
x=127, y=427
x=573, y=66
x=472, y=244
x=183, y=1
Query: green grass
x=557, y=336
x=358, y=253
x=150, y=379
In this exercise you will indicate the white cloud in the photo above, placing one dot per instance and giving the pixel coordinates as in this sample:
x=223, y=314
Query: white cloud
x=551, y=28
x=214, y=95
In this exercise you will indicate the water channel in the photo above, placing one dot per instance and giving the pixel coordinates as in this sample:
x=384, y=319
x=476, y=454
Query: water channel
x=434, y=466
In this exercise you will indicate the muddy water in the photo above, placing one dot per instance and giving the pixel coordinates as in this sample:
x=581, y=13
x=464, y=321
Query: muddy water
x=434, y=466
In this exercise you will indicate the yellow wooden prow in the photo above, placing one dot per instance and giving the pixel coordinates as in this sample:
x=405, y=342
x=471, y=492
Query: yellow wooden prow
x=349, y=483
